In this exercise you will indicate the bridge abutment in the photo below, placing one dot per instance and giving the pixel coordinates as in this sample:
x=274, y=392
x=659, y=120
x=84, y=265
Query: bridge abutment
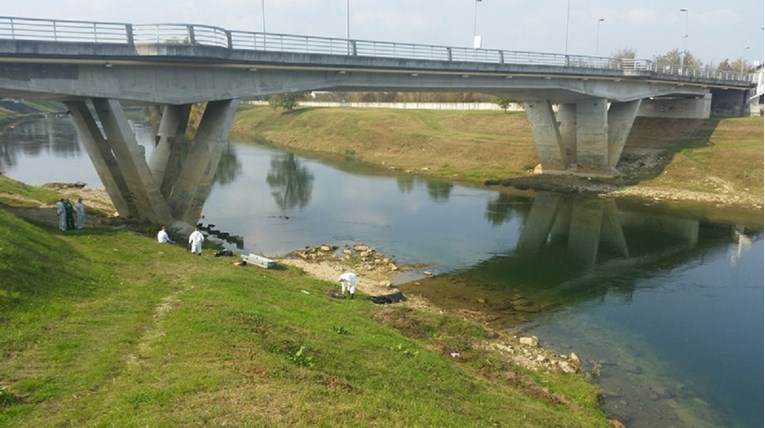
x=583, y=138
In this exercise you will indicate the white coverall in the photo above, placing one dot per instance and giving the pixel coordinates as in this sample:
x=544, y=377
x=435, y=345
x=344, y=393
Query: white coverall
x=348, y=280
x=195, y=239
x=163, y=237
x=61, y=213
x=80, y=208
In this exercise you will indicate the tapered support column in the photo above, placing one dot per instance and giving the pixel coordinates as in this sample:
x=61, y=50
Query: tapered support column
x=547, y=136
x=131, y=160
x=165, y=160
x=592, y=135
x=567, y=129
x=621, y=116
x=198, y=170
x=102, y=157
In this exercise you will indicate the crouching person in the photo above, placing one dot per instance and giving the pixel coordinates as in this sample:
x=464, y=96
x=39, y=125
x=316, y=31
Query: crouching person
x=348, y=281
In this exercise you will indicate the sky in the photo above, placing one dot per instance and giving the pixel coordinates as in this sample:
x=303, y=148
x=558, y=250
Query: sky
x=716, y=30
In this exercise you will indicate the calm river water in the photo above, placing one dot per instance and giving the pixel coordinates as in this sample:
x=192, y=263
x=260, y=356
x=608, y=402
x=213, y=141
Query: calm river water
x=666, y=306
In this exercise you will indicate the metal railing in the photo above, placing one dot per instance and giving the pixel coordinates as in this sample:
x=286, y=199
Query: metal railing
x=12, y=28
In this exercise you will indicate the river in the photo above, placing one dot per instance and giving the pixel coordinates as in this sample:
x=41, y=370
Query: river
x=664, y=307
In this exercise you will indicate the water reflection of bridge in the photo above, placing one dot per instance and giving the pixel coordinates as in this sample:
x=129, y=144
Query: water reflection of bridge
x=574, y=248
x=587, y=227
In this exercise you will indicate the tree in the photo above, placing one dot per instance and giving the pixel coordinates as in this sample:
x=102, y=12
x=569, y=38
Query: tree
x=672, y=58
x=625, y=53
x=287, y=101
x=503, y=103
x=736, y=65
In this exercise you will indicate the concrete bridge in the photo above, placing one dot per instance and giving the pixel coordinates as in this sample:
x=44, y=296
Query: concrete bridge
x=580, y=108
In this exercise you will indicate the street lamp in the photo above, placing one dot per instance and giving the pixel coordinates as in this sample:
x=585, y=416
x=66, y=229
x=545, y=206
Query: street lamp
x=263, y=15
x=685, y=38
x=597, y=36
x=743, y=59
x=568, y=15
x=348, y=19
x=476, y=37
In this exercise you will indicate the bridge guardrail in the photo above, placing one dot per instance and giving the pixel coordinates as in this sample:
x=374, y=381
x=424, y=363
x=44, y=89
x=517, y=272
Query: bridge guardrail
x=191, y=34
x=64, y=31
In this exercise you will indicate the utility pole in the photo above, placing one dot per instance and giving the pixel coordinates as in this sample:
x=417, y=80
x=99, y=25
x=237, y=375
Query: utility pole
x=597, y=36
x=685, y=39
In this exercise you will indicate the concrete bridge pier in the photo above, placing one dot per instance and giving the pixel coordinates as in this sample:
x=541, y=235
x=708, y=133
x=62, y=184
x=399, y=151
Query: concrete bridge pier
x=165, y=160
x=584, y=138
x=191, y=188
x=119, y=160
x=164, y=190
x=102, y=157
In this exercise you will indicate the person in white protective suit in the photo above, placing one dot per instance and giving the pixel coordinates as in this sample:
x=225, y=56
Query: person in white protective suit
x=195, y=239
x=163, y=237
x=348, y=281
x=61, y=213
x=79, y=207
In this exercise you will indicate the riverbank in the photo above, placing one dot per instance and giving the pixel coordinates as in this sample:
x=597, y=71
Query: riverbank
x=89, y=339
x=715, y=161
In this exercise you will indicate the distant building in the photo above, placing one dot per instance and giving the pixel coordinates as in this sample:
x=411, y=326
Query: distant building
x=756, y=101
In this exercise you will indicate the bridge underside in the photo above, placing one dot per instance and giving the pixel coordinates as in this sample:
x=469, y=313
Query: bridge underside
x=172, y=186
x=584, y=135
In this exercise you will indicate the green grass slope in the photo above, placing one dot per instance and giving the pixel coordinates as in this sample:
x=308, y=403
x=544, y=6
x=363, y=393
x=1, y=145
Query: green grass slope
x=104, y=327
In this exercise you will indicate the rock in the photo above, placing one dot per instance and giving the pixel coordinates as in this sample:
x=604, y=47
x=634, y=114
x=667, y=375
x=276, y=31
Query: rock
x=530, y=341
x=427, y=273
x=325, y=248
x=566, y=367
x=575, y=358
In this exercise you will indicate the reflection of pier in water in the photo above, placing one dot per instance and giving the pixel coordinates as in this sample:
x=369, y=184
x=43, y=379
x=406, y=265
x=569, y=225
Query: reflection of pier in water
x=589, y=227
x=573, y=248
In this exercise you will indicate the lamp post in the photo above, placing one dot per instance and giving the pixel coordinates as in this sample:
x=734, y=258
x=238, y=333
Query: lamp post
x=685, y=38
x=568, y=15
x=597, y=36
x=743, y=59
x=348, y=19
x=476, y=37
x=263, y=15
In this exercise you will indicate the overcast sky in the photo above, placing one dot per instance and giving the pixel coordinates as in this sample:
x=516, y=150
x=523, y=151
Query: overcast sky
x=717, y=29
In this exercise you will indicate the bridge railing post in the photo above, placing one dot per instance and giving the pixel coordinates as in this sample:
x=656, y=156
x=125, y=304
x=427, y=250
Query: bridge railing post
x=190, y=32
x=449, y=53
x=501, y=57
x=229, y=42
x=129, y=34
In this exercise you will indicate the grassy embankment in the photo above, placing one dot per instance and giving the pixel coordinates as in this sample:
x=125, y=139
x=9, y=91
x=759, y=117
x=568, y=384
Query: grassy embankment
x=105, y=327
x=11, y=111
x=714, y=155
